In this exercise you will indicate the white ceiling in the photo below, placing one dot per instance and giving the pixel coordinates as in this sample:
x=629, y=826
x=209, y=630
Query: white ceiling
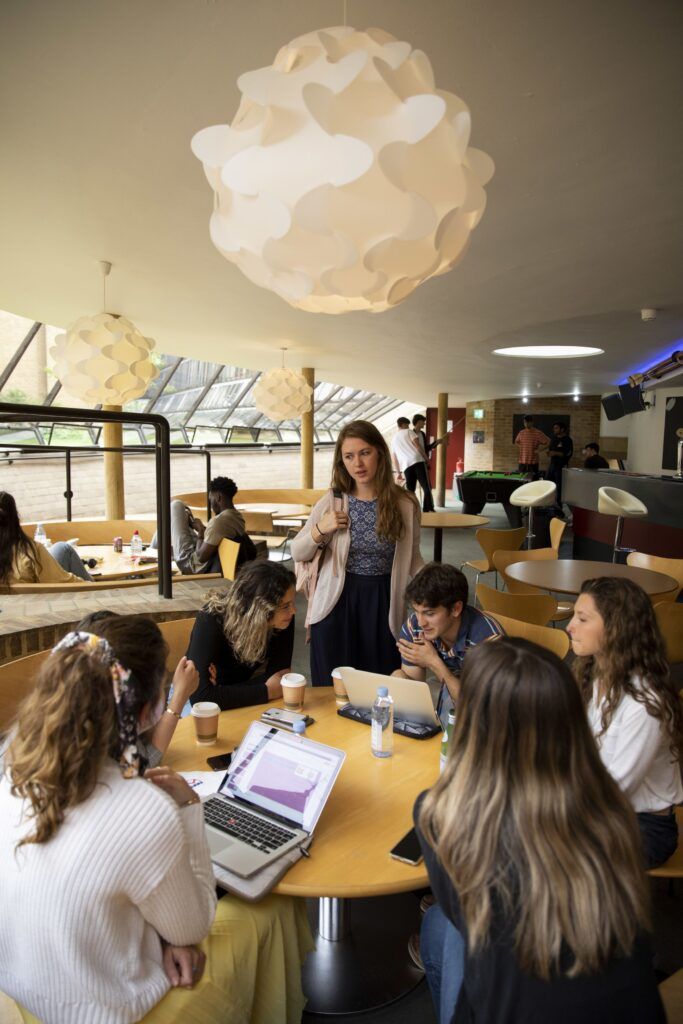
x=580, y=105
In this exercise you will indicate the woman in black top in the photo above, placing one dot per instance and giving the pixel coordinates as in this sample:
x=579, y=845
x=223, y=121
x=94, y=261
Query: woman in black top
x=534, y=856
x=242, y=639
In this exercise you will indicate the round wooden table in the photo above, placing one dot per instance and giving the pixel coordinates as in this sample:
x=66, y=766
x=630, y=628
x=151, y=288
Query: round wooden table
x=441, y=521
x=567, y=576
x=116, y=565
x=361, y=959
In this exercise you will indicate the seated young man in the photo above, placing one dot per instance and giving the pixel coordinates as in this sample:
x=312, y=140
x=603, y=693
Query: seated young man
x=195, y=546
x=441, y=629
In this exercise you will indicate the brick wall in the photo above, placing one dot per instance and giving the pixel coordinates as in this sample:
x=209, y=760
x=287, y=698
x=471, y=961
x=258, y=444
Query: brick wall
x=498, y=453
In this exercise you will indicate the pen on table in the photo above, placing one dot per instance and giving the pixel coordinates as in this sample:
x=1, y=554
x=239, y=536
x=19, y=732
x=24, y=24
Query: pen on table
x=305, y=851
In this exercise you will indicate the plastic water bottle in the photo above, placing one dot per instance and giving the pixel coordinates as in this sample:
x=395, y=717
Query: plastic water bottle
x=135, y=545
x=382, y=725
x=40, y=536
x=446, y=740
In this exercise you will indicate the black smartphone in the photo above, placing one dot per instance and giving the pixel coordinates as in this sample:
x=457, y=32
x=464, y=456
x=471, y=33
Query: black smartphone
x=408, y=849
x=220, y=762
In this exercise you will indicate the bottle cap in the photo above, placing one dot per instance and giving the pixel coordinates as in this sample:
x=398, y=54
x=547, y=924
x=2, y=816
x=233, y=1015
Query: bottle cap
x=382, y=691
x=300, y=727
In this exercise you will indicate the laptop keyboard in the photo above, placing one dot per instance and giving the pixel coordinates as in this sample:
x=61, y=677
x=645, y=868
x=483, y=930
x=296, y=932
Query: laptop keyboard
x=255, y=831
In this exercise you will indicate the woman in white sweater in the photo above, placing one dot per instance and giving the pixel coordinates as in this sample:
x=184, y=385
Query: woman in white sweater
x=632, y=704
x=106, y=884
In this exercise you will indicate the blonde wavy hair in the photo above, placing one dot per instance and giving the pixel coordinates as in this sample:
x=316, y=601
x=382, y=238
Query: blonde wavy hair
x=527, y=822
x=246, y=610
x=67, y=727
x=390, y=525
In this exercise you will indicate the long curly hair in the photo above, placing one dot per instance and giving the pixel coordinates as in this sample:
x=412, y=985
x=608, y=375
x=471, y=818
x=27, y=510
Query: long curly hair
x=528, y=823
x=247, y=608
x=390, y=525
x=13, y=540
x=632, y=649
x=67, y=726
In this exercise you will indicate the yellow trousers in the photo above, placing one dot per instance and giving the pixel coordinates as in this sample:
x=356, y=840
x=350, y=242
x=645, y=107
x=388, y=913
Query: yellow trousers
x=254, y=953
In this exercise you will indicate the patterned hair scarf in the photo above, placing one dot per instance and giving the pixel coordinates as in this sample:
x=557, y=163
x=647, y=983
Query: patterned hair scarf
x=131, y=761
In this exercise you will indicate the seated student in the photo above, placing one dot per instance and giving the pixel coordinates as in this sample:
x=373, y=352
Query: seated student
x=195, y=546
x=153, y=743
x=24, y=561
x=533, y=855
x=243, y=638
x=633, y=707
x=106, y=882
x=594, y=459
x=442, y=628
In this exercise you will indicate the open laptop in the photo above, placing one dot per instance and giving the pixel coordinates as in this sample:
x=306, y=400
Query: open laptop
x=271, y=798
x=412, y=698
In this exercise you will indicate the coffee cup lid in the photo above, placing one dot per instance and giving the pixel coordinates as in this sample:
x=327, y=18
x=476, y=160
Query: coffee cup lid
x=293, y=679
x=205, y=709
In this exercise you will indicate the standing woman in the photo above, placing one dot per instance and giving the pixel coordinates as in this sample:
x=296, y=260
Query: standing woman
x=366, y=536
x=534, y=858
x=632, y=704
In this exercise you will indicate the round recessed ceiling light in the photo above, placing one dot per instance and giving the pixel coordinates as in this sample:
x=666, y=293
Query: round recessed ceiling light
x=549, y=351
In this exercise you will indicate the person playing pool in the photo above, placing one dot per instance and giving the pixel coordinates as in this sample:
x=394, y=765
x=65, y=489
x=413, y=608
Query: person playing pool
x=442, y=628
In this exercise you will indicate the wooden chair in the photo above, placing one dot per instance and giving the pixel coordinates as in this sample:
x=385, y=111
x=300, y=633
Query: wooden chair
x=669, y=566
x=537, y=609
x=501, y=560
x=262, y=523
x=671, y=991
x=490, y=541
x=176, y=633
x=673, y=867
x=228, y=552
x=670, y=621
x=557, y=528
x=555, y=640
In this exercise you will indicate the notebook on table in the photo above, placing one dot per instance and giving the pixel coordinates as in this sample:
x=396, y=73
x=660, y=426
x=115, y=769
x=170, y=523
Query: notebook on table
x=271, y=798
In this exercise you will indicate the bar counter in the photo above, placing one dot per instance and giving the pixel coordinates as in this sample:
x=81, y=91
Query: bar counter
x=658, y=533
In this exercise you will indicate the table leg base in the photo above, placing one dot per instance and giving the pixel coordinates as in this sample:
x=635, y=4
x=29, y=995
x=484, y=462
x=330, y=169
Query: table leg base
x=370, y=966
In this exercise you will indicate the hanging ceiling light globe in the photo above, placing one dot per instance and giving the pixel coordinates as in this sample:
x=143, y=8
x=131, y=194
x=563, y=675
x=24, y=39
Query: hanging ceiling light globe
x=283, y=394
x=104, y=358
x=345, y=179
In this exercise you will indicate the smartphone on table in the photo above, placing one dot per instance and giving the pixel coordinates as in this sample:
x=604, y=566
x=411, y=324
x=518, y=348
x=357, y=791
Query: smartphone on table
x=408, y=849
x=219, y=763
x=284, y=719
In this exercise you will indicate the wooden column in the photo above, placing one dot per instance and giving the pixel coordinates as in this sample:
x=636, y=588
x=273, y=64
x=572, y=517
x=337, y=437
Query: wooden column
x=114, y=496
x=441, y=428
x=307, y=435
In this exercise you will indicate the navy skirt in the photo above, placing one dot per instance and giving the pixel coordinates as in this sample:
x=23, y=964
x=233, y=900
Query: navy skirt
x=356, y=632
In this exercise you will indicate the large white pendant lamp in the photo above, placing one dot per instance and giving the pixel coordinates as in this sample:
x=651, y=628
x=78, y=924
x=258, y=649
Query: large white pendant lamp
x=283, y=394
x=345, y=179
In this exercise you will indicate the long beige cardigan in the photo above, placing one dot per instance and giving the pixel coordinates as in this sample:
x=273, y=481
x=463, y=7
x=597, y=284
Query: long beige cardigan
x=332, y=569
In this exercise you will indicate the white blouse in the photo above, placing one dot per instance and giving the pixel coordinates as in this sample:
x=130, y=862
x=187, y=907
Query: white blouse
x=635, y=749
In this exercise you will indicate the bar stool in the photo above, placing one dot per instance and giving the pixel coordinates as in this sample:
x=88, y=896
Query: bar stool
x=612, y=501
x=531, y=496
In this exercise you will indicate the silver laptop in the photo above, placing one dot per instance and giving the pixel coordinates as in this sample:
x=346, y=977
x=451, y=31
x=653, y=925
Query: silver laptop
x=271, y=798
x=412, y=698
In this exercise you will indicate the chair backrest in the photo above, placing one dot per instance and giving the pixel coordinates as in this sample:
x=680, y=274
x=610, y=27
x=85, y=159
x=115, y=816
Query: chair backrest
x=95, y=531
x=176, y=633
x=557, y=528
x=613, y=501
x=499, y=540
x=16, y=682
x=536, y=492
x=501, y=560
x=669, y=617
x=258, y=522
x=537, y=609
x=555, y=640
x=669, y=566
x=228, y=552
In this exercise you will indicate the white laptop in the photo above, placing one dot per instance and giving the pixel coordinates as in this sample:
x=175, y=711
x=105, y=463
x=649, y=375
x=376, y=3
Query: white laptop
x=271, y=798
x=412, y=698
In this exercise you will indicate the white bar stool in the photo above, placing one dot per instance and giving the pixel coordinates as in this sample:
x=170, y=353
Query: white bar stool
x=613, y=501
x=531, y=496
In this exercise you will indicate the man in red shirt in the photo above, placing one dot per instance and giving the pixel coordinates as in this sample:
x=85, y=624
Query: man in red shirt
x=530, y=441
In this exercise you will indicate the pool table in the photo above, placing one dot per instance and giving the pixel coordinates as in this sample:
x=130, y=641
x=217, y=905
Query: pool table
x=477, y=488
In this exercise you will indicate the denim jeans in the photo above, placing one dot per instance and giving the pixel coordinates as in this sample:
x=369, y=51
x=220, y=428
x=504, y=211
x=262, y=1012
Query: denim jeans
x=69, y=559
x=442, y=949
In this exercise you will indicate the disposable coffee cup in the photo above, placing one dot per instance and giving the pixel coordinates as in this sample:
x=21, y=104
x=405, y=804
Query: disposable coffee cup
x=205, y=714
x=341, y=696
x=293, y=691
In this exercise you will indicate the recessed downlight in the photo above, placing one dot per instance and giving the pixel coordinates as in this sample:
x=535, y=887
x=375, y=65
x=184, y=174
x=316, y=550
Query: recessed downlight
x=549, y=351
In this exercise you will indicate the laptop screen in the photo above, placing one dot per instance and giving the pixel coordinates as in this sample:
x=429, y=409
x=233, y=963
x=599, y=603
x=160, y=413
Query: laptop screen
x=283, y=773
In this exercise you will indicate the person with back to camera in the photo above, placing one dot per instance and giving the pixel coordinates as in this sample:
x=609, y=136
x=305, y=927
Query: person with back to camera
x=633, y=707
x=363, y=540
x=24, y=561
x=405, y=449
x=243, y=638
x=560, y=450
x=442, y=628
x=533, y=854
x=594, y=460
x=530, y=441
x=106, y=882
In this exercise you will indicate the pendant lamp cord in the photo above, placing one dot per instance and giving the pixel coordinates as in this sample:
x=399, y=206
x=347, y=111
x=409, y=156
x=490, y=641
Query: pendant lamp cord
x=344, y=13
